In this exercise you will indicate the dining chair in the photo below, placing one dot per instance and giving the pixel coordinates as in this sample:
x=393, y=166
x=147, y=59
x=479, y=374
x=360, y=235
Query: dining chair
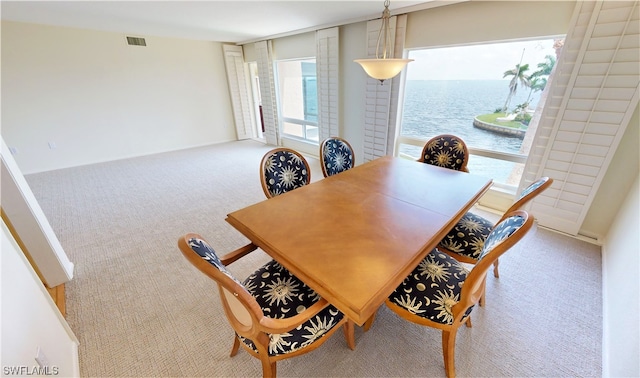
x=273, y=313
x=336, y=155
x=446, y=150
x=282, y=170
x=465, y=241
x=441, y=293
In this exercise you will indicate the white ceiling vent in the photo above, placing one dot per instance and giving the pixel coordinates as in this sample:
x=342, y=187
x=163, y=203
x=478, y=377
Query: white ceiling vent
x=136, y=41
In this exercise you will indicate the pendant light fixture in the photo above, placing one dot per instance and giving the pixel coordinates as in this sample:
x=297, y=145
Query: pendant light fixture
x=383, y=67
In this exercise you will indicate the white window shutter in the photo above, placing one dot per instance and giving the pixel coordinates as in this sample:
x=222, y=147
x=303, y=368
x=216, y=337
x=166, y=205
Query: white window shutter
x=592, y=97
x=381, y=101
x=238, y=89
x=327, y=74
x=398, y=51
x=266, y=75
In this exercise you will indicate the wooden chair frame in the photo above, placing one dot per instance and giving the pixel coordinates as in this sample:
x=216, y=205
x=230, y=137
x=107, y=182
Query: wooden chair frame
x=263, y=162
x=517, y=205
x=472, y=290
x=247, y=318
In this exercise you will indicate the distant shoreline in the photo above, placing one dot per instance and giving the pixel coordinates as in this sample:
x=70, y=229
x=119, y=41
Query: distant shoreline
x=508, y=131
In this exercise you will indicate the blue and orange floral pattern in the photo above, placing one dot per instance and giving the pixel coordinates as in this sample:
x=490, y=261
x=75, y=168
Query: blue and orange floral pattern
x=337, y=156
x=284, y=171
x=281, y=295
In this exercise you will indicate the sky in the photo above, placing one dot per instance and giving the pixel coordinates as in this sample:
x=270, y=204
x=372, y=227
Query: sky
x=478, y=62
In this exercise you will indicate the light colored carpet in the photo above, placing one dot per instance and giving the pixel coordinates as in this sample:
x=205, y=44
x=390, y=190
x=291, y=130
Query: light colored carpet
x=140, y=309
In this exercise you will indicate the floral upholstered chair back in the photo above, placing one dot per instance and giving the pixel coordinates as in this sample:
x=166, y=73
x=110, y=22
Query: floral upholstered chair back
x=446, y=151
x=336, y=155
x=283, y=170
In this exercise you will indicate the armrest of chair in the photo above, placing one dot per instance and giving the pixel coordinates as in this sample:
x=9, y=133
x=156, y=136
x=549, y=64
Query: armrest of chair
x=273, y=325
x=238, y=253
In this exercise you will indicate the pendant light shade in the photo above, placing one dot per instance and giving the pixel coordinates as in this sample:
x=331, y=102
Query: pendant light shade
x=383, y=67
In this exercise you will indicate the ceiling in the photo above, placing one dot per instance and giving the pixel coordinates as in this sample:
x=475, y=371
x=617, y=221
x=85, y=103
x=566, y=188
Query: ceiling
x=224, y=21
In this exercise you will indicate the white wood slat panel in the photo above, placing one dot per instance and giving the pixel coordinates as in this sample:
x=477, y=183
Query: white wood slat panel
x=327, y=73
x=398, y=51
x=605, y=56
x=604, y=93
x=377, y=99
x=619, y=81
x=238, y=88
x=584, y=125
x=267, y=91
x=621, y=68
x=601, y=43
x=381, y=101
x=598, y=106
x=577, y=189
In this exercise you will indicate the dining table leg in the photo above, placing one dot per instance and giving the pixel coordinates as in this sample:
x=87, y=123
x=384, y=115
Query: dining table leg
x=367, y=324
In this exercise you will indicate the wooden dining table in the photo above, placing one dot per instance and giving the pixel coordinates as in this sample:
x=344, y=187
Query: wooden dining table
x=354, y=237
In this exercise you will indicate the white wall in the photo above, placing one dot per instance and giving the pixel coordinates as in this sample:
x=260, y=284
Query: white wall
x=618, y=179
x=621, y=289
x=30, y=319
x=295, y=47
x=99, y=99
x=482, y=21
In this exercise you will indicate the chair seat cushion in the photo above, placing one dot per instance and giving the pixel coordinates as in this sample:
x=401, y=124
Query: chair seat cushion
x=432, y=288
x=468, y=236
x=281, y=295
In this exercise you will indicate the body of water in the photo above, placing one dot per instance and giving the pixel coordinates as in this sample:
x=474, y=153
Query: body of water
x=433, y=107
x=448, y=106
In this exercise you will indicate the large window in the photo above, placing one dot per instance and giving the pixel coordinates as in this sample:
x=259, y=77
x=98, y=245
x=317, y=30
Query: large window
x=485, y=94
x=298, y=98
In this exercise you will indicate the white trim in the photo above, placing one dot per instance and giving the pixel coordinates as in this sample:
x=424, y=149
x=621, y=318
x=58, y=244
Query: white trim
x=31, y=224
x=239, y=91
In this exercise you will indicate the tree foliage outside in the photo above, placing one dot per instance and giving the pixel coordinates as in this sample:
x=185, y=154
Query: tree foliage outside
x=536, y=82
x=519, y=76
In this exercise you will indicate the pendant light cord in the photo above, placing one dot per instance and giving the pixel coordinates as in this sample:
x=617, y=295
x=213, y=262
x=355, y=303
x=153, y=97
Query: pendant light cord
x=386, y=38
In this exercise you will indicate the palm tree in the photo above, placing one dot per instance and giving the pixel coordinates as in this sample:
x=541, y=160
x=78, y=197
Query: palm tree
x=538, y=79
x=519, y=75
x=536, y=84
x=545, y=68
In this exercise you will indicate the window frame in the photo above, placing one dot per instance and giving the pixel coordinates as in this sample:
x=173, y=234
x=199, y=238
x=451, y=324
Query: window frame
x=516, y=158
x=306, y=125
